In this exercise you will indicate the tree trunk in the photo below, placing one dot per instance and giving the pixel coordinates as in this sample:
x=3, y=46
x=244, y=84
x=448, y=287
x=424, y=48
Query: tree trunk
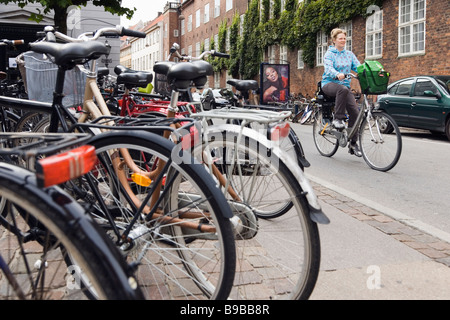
x=60, y=19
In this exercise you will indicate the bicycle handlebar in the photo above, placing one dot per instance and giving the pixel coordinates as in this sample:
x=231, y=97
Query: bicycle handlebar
x=51, y=34
x=176, y=47
x=11, y=42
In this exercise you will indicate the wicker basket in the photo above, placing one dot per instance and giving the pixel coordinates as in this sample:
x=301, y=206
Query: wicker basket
x=39, y=75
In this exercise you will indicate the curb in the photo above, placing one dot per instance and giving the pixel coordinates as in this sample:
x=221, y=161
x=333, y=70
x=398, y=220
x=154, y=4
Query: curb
x=421, y=237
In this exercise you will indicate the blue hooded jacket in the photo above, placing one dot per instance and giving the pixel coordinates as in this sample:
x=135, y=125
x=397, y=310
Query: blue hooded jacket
x=338, y=62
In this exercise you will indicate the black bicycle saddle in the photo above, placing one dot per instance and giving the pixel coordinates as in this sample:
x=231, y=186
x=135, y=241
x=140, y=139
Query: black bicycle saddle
x=67, y=55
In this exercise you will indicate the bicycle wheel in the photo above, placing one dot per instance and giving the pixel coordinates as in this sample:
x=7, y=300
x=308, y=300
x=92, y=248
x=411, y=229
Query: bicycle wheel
x=326, y=143
x=298, y=116
x=381, y=151
x=279, y=258
x=182, y=246
x=40, y=228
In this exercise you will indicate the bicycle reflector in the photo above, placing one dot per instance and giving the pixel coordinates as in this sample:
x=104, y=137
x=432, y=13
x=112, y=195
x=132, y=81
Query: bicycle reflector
x=141, y=179
x=62, y=167
x=278, y=131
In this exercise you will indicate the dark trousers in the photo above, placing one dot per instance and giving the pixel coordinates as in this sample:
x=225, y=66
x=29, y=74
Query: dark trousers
x=345, y=101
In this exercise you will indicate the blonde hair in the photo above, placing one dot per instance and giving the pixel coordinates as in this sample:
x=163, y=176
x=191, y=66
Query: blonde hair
x=335, y=32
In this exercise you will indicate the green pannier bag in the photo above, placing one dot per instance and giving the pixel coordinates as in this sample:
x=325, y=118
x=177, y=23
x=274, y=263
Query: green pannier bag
x=372, y=77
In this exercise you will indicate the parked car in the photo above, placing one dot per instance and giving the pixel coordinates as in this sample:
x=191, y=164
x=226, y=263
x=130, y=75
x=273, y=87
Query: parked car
x=421, y=102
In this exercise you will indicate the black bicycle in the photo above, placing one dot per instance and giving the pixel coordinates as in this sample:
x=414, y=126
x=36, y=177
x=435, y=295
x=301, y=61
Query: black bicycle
x=50, y=248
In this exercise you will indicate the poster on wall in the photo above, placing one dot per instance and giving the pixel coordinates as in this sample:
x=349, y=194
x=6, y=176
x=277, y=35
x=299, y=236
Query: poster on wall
x=274, y=83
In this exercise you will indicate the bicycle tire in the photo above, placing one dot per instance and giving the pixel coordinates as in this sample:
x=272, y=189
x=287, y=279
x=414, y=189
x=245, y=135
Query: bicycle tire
x=381, y=151
x=298, y=116
x=165, y=255
x=326, y=143
x=283, y=251
x=41, y=227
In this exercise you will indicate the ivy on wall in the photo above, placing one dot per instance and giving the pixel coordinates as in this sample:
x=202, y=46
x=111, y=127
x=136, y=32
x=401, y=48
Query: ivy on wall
x=296, y=27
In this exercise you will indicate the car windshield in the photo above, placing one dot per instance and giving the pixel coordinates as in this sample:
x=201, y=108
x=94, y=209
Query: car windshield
x=444, y=82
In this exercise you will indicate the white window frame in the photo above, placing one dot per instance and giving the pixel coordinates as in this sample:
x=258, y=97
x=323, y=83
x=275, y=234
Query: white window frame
x=206, y=15
x=409, y=21
x=228, y=5
x=283, y=54
x=271, y=53
x=374, y=35
x=321, y=47
x=348, y=27
x=197, y=18
x=189, y=24
x=216, y=8
x=300, y=63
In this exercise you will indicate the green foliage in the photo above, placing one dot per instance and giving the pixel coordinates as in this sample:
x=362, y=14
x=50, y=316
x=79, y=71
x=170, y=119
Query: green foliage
x=296, y=27
x=60, y=9
x=233, y=62
x=250, y=53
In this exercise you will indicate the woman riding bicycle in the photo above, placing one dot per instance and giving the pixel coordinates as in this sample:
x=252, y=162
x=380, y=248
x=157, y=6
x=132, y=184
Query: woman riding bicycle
x=338, y=62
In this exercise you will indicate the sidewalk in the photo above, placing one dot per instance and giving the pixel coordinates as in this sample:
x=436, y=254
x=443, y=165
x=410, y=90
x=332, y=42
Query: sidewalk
x=368, y=255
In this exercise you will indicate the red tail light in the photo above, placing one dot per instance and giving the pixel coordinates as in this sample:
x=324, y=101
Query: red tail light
x=62, y=167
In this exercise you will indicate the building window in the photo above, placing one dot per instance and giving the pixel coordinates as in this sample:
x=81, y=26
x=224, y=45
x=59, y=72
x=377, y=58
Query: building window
x=206, y=44
x=189, y=24
x=300, y=63
x=241, y=24
x=411, y=27
x=271, y=53
x=183, y=31
x=322, y=46
x=348, y=28
x=374, y=35
x=283, y=54
x=216, y=8
x=206, y=16
x=197, y=18
x=216, y=42
x=229, y=5
x=216, y=79
x=197, y=49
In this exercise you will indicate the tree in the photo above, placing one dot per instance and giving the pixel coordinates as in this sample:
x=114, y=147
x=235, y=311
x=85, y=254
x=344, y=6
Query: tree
x=60, y=7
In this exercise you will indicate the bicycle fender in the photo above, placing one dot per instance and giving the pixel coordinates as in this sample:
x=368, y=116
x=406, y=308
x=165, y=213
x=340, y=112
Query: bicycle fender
x=315, y=209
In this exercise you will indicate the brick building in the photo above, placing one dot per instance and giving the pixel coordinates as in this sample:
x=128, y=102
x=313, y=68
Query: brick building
x=409, y=37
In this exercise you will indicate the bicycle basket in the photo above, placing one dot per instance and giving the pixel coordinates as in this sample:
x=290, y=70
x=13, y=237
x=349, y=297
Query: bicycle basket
x=162, y=85
x=372, y=77
x=41, y=79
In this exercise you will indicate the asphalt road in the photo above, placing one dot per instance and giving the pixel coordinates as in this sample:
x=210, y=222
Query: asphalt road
x=415, y=191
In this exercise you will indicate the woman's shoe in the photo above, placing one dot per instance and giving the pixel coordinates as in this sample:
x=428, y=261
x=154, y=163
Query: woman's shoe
x=354, y=149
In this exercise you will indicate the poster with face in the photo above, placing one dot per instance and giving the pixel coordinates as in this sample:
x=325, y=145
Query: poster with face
x=274, y=83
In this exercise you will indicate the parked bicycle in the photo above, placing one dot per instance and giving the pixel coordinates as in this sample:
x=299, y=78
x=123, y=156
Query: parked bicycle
x=381, y=151
x=150, y=225
x=50, y=248
x=261, y=181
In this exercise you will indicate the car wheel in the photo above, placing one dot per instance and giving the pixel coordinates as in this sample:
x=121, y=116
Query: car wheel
x=447, y=128
x=385, y=126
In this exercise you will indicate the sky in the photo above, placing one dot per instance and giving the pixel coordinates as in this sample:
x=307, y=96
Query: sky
x=147, y=10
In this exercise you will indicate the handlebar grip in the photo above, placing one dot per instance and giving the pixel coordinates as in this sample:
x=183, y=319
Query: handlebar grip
x=17, y=42
x=110, y=34
x=220, y=54
x=133, y=33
